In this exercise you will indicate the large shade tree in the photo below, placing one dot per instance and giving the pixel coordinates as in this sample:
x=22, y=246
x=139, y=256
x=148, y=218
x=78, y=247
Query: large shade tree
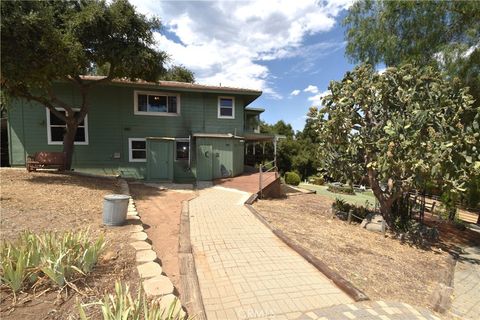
x=401, y=129
x=44, y=42
x=444, y=34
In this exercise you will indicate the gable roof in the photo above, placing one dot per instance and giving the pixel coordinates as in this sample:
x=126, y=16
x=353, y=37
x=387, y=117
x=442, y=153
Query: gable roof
x=182, y=86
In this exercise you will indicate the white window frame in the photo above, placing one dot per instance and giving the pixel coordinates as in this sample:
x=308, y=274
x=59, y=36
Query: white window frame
x=130, y=150
x=155, y=93
x=49, y=131
x=189, y=148
x=233, y=108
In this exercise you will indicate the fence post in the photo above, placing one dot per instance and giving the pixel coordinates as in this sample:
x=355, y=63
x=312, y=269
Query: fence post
x=260, y=180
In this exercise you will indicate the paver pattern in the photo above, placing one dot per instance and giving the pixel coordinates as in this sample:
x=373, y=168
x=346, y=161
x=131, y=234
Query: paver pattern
x=244, y=270
x=466, y=284
x=380, y=310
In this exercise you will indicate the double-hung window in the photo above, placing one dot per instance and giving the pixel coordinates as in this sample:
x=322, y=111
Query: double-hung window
x=156, y=103
x=56, y=128
x=182, y=149
x=137, y=150
x=226, y=107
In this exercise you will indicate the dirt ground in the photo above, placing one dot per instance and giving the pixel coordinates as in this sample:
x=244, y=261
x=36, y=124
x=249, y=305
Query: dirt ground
x=382, y=267
x=160, y=213
x=49, y=201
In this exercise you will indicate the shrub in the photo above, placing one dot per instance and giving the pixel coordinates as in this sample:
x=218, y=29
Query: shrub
x=319, y=181
x=292, y=178
x=343, y=189
x=52, y=257
x=341, y=208
x=121, y=305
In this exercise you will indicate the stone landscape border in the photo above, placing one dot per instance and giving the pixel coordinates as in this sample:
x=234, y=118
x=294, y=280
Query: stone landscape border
x=155, y=283
x=346, y=286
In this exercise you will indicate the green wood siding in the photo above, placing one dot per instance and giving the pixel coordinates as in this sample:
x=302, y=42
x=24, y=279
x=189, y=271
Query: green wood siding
x=111, y=122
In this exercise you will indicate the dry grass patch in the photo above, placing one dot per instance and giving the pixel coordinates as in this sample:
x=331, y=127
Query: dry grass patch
x=48, y=201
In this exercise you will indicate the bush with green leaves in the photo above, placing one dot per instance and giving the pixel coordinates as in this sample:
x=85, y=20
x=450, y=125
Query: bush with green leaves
x=121, y=306
x=341, y=208
x=343, y=189
x=292, y=178
x=53, y=258
x=316, y=180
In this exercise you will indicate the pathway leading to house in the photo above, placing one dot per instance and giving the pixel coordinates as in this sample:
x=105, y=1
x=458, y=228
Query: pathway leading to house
x=466, y=284
x=244, y=270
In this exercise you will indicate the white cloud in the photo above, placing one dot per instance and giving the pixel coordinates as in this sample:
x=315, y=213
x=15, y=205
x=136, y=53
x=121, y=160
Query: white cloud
x=382, y=70
x=295, y=92
x=316, y=100
x=311, y=88
x=226, y=41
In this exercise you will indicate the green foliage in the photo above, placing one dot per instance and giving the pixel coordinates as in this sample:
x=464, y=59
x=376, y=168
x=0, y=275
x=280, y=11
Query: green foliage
x=179, y=73
x=341, y=209
x=343, y=189
x=316, y=180
x=400, y=128
x=296, y=152
x=292, y=178
x=52, y=257
x=396, y=32
x=121, y=306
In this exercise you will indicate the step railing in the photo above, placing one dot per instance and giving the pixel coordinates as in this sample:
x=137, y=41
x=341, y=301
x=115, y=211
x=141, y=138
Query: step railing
x=263, y=178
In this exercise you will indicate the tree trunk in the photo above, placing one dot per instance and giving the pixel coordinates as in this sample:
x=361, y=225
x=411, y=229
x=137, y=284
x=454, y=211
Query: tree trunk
x=69, y=140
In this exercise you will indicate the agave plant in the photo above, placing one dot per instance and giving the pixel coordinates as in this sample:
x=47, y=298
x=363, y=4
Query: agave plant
x=121, y=306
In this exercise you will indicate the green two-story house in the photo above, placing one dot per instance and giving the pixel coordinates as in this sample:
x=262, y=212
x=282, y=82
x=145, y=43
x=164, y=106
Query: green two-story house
x=157, y=131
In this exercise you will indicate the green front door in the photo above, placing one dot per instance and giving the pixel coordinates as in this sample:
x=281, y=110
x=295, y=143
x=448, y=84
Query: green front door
x=205, y=162
x=159, y=160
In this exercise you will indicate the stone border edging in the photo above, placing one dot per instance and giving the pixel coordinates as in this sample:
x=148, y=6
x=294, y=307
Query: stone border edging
x=155, y=283
x=188, y=272
x=346, y=286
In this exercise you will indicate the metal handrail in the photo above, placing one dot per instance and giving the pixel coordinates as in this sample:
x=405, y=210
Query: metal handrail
x=260, y=178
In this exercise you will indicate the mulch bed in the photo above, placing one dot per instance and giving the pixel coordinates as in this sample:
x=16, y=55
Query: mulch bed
x=49, y=201
x=381, y=266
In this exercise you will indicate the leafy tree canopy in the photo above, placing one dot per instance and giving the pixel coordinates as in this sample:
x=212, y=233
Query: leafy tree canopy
x=444, y=34
x=400, y=128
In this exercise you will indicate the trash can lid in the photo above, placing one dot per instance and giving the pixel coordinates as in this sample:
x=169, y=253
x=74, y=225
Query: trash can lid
x=116, y=197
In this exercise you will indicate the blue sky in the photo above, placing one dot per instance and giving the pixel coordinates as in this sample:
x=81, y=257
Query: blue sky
x=288, y=49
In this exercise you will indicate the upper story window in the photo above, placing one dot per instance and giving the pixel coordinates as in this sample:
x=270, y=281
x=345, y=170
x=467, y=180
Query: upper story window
x=56, y=129
x=226, y=107
x=157, y=104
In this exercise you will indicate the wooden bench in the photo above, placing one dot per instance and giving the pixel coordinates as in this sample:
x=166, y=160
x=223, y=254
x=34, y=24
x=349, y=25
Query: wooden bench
x=46, y=160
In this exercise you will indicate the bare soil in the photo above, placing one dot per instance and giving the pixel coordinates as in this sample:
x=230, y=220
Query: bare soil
x=381, y=266
x=50, y=201
x=160, y=211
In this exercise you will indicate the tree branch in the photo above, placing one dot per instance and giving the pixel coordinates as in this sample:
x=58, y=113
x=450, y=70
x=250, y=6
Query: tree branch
x=43, y=101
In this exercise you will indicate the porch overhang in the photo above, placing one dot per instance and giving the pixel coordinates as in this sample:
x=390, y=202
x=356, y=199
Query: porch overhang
x=259, y=137
x=217, y=135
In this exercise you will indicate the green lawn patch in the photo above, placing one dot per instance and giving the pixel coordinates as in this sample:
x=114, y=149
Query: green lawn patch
x=358, y=199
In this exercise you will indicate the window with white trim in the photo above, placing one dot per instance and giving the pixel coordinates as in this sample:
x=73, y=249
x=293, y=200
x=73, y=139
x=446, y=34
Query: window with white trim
x=137, y=150
x=226, y=107
x=56, y=128
x=156, y=103
x=182, y=149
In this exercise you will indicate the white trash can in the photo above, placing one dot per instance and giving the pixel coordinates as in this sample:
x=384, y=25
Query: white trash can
x=115, y=207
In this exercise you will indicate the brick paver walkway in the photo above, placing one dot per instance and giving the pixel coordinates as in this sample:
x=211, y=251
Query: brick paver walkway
x=466, y=284
x=244, y=270
x=379, y=310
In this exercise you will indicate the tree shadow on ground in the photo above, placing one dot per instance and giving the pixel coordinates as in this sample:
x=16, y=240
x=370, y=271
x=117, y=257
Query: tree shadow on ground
x=59, y=178
x=141, y=191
